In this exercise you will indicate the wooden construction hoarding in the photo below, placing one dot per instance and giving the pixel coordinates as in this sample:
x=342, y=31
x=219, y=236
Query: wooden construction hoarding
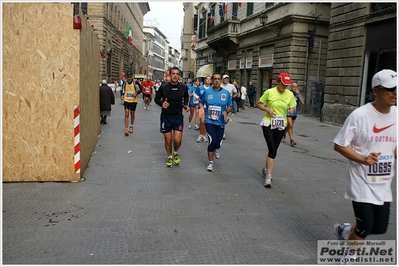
x=48, y=69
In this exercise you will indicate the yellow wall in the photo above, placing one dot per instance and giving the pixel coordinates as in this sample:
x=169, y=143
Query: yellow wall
x=45, y=73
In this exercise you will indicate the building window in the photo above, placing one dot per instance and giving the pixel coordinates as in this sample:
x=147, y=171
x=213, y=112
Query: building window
x=221, y=11
x=84, y=8
x=195, y=23
x=235, y=11
x=269, y=5
x=201, y=32
x=250, y=9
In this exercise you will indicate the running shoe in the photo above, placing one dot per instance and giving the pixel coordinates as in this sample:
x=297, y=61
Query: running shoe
x=131, y=129
x=292, y=142
x=210, y=166
x=189, y=126
x=199, y=139
x=204, y=139
x=169, y=162
x=268, y=181
x=176, y=159
x=217, y=153
x=126, y=132
x=264, y=172
x=338, y=228
x=196, y=127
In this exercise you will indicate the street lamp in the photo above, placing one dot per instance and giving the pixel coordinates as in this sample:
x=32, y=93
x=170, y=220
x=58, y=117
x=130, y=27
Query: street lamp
x=263, y=20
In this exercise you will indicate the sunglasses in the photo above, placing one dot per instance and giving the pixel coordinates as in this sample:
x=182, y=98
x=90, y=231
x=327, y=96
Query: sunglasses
x=388, y=89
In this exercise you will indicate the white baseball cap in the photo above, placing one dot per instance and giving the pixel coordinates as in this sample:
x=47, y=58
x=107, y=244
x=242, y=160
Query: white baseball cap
x=104, y=81
x=385, y=78
x=225, y=76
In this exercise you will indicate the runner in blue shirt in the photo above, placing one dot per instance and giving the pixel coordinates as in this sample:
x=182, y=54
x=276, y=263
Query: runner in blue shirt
x=193, y=104
x=218, y=104
x=202, y=130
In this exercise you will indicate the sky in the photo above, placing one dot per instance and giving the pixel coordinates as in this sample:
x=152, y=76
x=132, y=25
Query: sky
x=167, y=16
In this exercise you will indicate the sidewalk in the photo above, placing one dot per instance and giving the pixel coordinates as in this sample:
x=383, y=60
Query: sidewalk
x=132, y=209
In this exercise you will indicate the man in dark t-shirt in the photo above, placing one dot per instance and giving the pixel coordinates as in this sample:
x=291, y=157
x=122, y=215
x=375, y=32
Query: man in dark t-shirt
x=172, y=97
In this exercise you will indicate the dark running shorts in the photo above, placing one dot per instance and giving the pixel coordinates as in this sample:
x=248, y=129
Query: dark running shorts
x=171, y=122
x=130, y=106
x=370, y=218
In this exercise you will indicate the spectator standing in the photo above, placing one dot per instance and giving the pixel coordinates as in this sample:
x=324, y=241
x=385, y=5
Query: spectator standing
x=251, y=94
x=368, y=139
x=129, y=97
x=216, y=102
x=237, y=99
x=107, y=99
x=292, y=117
x=243, y=97
x=172, y=97
x=275, y=103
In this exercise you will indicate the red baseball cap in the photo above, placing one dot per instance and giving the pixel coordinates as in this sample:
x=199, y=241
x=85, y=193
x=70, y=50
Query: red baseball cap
x=285, y=78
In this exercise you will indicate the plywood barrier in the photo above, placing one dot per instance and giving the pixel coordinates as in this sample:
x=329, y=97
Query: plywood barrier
x=42, y=81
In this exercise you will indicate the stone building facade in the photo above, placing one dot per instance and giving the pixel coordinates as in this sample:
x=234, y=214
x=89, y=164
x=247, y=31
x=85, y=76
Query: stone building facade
x=256, y=41
x=109, y=21
x=189, y=40
x=155, y=52
x=159, y=55
x=362, y=41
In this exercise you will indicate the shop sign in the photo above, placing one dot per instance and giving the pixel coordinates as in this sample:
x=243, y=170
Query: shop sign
x=231, y=64
x=266, y=61
x=248, y=63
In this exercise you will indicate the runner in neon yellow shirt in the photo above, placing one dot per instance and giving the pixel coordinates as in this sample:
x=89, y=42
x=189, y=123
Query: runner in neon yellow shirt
x=276, y=102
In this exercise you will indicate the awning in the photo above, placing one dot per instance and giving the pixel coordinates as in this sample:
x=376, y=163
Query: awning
x=206, y=70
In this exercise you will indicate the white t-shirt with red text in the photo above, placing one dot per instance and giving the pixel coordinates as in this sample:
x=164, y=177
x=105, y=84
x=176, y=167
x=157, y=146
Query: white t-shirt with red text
x=366, y=130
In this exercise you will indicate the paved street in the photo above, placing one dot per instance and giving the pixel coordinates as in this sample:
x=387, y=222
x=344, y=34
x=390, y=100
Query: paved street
x=132, y=209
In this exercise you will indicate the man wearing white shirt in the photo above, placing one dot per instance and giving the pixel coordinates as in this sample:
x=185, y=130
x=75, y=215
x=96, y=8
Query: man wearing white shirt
x=232, y=90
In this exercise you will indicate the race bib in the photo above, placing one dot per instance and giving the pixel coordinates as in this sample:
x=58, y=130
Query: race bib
x=147, y=90
x=195, y=99
x=129, y=95
x=214, y=112
x=382, y=171
x=277, y=122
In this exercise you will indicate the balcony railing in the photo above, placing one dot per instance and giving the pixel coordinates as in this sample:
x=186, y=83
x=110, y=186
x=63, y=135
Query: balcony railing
x=229, y=28
x=382, y=8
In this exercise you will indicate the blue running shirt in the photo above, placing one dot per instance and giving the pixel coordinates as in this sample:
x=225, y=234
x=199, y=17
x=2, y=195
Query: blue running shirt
x=216, y=103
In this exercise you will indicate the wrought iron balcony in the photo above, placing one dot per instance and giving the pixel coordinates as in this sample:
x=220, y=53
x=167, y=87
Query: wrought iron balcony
x=382, y=8
x=224, y=35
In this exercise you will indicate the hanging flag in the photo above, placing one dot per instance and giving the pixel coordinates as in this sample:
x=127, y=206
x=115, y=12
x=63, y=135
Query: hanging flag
x=101, y=53
x=225, y=8
x=128, y=31
x=220, y=9
x=239, y=4
x=212, y=17
x=130, y=37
